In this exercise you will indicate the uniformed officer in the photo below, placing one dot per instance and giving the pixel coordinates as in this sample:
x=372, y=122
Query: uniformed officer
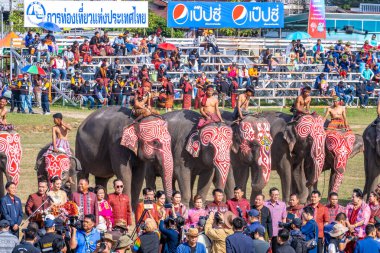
x=46, y=241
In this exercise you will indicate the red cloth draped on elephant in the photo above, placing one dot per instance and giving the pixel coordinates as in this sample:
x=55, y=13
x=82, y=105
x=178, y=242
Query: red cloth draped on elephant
x=11, y=147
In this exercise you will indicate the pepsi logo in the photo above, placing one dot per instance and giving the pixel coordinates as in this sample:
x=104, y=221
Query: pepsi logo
x=239, y=15
x=180, y=14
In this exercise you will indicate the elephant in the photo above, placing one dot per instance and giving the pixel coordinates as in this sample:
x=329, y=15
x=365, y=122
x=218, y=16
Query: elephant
x=337, y=155
x=10, y=158
x=251, y=151
x=293, y=143
x=204, y=152
x=66, y=167
x=109, y=142
x=371, y=139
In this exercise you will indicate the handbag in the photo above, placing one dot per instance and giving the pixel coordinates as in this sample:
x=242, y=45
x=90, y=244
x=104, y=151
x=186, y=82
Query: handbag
x=311, y=244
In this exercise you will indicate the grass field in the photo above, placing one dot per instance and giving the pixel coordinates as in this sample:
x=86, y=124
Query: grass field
x=35, y=133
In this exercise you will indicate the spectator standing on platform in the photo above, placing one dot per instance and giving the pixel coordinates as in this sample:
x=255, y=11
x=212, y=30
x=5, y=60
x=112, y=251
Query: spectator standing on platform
x=333, y=206
x=278, y=213
x=25, y=87
x=11, y=208
x=211, y=41
x=223, y=88
x=239, y=205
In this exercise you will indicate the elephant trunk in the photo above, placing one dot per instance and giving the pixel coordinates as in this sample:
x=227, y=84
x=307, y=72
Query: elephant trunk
x=318, y=154
x=378, y=139
x=167, y=167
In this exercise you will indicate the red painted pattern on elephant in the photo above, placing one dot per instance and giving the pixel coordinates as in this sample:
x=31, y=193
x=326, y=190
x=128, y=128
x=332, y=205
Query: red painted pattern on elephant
x=248, y=135
x=157, y=130
x=10, y=145
x=313, y=125
x=221, y=139
x=56, y=164
x=265, y=139
x=341, y=145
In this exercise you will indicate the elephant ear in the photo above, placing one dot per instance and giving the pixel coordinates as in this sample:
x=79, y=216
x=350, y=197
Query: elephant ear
x=129, y=138
x=193, y=145
x=290, y=137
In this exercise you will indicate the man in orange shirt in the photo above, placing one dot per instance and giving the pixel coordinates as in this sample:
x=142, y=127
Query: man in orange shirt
x=321, y=216
x=148, y=194
x=120, y=204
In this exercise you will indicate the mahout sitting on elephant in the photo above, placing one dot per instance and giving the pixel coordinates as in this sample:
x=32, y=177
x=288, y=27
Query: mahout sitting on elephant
x=142, y=103
x=302, y=104
x=4, y=126
x=209, y=108
x=241, y=108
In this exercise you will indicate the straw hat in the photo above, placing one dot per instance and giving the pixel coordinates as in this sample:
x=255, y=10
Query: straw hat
x=150, y=225
x=192, y=232
x=124, y=241
x=338, y=230
x=228, y=218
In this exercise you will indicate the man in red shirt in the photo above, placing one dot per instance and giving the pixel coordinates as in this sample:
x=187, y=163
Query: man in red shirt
x=321, y=216
x=35, y=200
x=120, y=203
x=239, y=205
x=334, y=207
x=217, y=205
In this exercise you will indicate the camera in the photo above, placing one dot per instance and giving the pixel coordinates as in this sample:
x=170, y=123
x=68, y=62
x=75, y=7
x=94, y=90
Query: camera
x=287, y=225
x=102, y=245
x=148, y=204
x=352, y=238
x=217, y=217
x=168, y=205
x=74, y=222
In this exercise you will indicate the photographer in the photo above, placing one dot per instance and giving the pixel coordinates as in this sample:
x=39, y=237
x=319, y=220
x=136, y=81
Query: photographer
x=46, y=241
x=341, y=218
x=297, y=239
x=147, y=203
x=149, y=240
x=168, y=228
x=337, y=237
x=84, y=239
x=202, y=237
x=310, y=227
x=220, y=231
x=105, y=244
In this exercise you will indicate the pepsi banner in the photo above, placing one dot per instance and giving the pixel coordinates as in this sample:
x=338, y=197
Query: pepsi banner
x=225, y=15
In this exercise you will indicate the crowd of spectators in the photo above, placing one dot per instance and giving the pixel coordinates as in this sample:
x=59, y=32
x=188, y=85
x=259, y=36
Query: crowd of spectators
x=105, y=222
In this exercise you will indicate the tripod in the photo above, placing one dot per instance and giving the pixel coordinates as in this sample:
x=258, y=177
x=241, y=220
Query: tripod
x=139, y=223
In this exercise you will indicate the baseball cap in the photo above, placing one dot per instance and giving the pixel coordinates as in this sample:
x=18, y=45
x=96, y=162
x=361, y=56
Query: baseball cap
x=4, y=223
x=253, y=213
x=49, y=223
x=260, y=230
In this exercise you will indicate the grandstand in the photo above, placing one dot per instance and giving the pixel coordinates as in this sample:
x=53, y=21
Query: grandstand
x=275, y=87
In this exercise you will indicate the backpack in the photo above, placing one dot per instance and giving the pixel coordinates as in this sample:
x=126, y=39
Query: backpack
x=299, y=244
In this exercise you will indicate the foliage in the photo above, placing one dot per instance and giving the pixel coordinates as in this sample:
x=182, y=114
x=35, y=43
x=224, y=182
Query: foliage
x=17, y=17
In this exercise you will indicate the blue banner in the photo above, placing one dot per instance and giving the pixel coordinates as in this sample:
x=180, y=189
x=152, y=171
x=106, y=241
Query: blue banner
x=225, y=15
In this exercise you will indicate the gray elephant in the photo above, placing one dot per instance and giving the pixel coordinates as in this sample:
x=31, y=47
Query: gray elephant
x=66, y=167
x=293, y=142
x=10, y=158
x=336, y=160
x=110, y=143
x=371, y=139
x=205, y=152
x=251, y=151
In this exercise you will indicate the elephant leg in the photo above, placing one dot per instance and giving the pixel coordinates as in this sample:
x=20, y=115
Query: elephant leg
x=102, y=181
x=2, y=185
x=150, y=178
x=230, y=185
x=284, y=171
x=204, y=182
x=183, y=176
x=257, y=182
x=372, y=172
x=138, y=175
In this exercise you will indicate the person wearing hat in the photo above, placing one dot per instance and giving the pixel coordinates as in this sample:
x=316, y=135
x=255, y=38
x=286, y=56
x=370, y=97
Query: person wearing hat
x=7, y=238
x=253, y=220
x=76, y=81
x=60, y=132
x=297, y=239
x=338, y=49
x=11, y=208
x=238, y=241
x=211, y=42
x=192, y=245
x=46, y=241
x=217, y=228
x=338, y=116
x=337, y=233
x=105, y=244
x=58, y=68
x=149, y=240
x=344, y=67
x=119, y=45
x=259, y=243
x=68, y=57
x=123, y=244
x=330, y=65
x=25, y=87
x=27, y=245
x=43, y=50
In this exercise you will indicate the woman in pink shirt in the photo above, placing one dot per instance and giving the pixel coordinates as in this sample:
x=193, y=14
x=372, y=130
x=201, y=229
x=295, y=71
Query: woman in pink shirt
x=105, y=209
x=196, y=212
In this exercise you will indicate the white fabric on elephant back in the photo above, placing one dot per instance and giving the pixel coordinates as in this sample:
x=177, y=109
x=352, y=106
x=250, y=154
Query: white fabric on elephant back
x=341, y=144
x=10, y=145
x=56, y=164
x=312, y=125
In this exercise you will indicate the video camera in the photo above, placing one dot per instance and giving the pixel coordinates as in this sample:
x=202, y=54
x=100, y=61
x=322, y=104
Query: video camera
x=148, y=204
x=73, y=221
x=103, y=244
x=288, y=225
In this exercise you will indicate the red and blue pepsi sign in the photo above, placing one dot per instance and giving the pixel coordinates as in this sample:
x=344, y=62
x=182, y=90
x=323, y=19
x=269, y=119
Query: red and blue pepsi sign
x=225, y=15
